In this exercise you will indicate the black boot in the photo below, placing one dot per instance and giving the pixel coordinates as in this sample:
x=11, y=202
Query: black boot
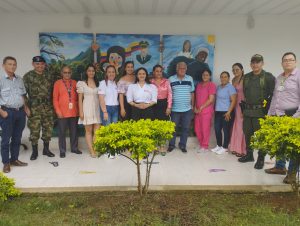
x=46, y=150
x=35, y=153
x=247, y=158
x=260, y=162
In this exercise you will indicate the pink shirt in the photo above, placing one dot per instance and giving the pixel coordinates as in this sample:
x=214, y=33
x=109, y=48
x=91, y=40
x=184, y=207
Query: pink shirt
x=286, y=94
x=164, y=90
x=202, y=94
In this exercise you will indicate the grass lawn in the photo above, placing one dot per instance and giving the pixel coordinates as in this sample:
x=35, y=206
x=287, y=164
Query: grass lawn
x=157, y=208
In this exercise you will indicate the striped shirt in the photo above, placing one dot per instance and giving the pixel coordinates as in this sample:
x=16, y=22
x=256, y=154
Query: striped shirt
x=181, y=93
x=12, y=92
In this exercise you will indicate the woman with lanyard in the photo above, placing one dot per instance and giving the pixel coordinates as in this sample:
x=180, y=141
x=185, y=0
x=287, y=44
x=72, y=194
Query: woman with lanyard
x=127, y=79
x=162, y=109
x=89, y=108
x=225, y=103
x=237, y=141
x=142, y=96
x=65, y=102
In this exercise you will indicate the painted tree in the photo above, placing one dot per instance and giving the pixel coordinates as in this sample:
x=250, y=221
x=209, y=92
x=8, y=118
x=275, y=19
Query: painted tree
x=140, y=139
x=50, y=44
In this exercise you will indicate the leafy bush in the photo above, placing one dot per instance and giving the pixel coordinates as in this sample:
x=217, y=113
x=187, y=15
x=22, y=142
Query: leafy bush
x=278, y=136
x=7, y=188
x=139, y=138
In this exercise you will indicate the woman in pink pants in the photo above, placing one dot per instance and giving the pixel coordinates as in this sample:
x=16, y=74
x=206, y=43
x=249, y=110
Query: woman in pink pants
x=204, y=109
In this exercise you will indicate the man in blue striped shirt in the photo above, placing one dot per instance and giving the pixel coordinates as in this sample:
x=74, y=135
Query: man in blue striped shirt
x=183, y=101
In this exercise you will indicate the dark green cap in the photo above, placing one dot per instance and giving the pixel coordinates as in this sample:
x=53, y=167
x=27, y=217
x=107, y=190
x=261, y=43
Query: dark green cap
x=257, y=58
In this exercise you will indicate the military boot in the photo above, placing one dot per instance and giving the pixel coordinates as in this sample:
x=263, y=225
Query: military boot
x=247, y=158
x=35, y=153
x=259, y=162
x=46, y=150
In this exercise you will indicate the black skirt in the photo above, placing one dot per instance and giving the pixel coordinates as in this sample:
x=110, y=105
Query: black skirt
x=127, y=108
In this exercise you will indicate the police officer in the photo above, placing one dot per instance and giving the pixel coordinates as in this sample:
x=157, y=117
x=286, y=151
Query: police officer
x=258, y=90
x=12, y=114
x=39, y=85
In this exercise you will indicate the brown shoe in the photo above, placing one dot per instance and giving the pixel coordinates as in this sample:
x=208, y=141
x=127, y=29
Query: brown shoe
x=275, y=170
x=290, y=178
x=6, y=168
x=18, y=163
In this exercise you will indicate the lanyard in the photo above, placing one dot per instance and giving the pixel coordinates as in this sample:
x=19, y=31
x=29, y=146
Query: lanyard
x=68, y=89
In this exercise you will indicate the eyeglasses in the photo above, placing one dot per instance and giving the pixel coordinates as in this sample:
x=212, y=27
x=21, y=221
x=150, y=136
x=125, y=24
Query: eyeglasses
x=288, y=60
x=66, y=72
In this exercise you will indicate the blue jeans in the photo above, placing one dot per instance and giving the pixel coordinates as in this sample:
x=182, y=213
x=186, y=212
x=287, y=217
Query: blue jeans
x=12, y=129
x=182, y=119
x=280, y=164
x=113, y=114
x=222, y=124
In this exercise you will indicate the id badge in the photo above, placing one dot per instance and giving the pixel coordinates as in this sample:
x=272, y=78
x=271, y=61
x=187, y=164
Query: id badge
x=280, y=88
x=70, y=105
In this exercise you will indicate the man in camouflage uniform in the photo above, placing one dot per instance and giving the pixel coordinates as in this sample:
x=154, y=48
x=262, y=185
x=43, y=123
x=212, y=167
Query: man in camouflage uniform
x=258, y=91
x=39, y=85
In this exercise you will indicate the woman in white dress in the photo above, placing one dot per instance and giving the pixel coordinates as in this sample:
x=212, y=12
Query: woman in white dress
x=89, y=109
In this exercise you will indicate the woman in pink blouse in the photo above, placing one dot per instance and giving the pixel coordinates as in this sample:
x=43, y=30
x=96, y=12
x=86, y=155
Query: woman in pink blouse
x=162, y=109
x=204, y=109
x=237, y=144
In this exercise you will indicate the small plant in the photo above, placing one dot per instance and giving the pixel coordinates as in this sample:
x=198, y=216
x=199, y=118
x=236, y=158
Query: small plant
x=138, y=138
x=7, y=188
x=280, y=137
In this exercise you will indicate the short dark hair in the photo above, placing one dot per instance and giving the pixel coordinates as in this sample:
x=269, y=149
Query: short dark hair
x=147, y=75
x=225, y=72
x=289, y=53
x=9, y=58
x=206, y=70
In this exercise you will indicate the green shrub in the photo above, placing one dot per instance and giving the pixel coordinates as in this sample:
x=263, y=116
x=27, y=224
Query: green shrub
x=7, y=188
x=139, y=138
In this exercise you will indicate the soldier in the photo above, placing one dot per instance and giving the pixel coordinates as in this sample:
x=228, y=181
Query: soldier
x=39, y=84
x=258, y=90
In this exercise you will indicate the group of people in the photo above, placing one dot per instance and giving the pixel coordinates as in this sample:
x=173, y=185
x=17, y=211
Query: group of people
x=236, y=107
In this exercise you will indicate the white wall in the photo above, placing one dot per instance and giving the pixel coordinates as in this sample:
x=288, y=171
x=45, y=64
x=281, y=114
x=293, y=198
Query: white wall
x=271, y=37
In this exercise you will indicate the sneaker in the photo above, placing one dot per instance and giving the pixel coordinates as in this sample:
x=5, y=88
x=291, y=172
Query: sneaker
x=112, y=156
x=221, y=151
x=215, y=149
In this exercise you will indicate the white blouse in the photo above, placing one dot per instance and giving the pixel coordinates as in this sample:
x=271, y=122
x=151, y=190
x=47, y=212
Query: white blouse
x=109, y=91
x=145, y=94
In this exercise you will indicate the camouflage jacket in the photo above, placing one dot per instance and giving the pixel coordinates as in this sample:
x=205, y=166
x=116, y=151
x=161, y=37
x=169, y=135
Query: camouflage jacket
x=39, y=88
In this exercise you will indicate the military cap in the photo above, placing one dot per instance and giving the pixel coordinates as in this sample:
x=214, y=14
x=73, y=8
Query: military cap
x=144, y=44
x=38, y=59
x=257, y=58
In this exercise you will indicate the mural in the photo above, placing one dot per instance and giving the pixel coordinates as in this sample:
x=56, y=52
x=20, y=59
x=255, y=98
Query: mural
x=116, y=49
x=197, y=51
x=73, y=49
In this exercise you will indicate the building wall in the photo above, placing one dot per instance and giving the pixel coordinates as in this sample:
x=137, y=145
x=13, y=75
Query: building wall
x=271, y=36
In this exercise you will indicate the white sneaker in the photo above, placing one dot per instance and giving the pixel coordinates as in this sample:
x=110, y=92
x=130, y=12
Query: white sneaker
x=221, y=151
x=112, y=156
x=215, y=149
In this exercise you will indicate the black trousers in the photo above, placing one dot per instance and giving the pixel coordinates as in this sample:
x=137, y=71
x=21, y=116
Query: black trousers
x=63, y=125
x=128, y=108
x=138, y=114
x=159, y=110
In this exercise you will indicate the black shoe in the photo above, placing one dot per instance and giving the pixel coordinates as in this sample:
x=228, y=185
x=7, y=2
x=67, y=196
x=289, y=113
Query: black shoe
x=62, y=155
x=76, y=152
x=260, y=162
x=247, y=158
x=35, y=153
x=183, y=150
x=170, y=149
x=46, y=150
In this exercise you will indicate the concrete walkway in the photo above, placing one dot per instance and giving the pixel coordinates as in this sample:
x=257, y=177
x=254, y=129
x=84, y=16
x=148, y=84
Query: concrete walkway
x=175, y=171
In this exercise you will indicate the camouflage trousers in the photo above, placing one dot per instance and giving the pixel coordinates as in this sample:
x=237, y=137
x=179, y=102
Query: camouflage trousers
x=41, y=117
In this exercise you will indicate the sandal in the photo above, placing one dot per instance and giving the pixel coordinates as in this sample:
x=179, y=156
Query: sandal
x=239, y=155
